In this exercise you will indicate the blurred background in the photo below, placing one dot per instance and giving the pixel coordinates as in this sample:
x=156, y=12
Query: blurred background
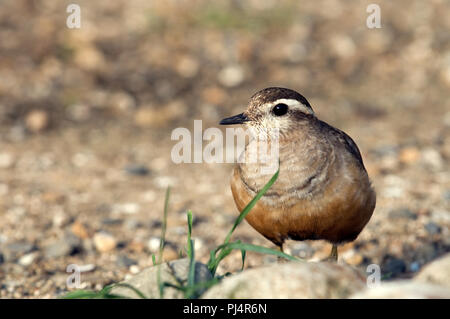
x=86, y=117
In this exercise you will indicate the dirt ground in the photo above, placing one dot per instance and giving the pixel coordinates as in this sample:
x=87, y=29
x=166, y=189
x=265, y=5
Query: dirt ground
x=86, y=117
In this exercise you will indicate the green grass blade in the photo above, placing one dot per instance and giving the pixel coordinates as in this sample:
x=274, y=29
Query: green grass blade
x=162, y=241
x=213, y=260
x=250, y=205
x=189, y=220
x=261, y=250
x=128, y=286
x=81, y=294
x=191, y=274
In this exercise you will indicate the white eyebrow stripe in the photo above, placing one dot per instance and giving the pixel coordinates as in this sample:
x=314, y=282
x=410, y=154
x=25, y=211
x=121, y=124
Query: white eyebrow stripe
x=294, y=103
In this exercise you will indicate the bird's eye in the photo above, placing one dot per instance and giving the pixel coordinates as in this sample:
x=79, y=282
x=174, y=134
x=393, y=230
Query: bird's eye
x=280, y=109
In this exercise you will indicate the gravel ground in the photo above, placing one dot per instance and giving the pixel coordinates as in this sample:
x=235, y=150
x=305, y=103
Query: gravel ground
x=86, y=117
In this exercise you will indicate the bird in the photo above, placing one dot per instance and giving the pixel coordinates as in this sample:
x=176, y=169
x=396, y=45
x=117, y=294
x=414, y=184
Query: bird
x=323, y=191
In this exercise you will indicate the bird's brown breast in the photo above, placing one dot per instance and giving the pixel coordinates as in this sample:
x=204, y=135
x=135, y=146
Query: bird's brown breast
x=337, y=211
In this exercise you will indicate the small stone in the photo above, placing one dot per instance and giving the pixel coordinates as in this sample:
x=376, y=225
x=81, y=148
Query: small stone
x=393, y=266
x=415, y=266
x=214, y=95
x=132, y=224
x=79, y=230
x=27, y=260
x=343, y=46
x=60, y=248
x=187, y=67
x=112, y=221
x=173, y=272
x=405, y=289
x=6, y=160
x=36, y=121
x=402, y=213
x=157, y=117
x=302, y=250
x=170, y=254
x=409, y=155
x=125, y=262
x=127, y=208
x=355, y=259
x=134, y=269
x=2, y=258
x=153, y=244
x=436, y=272
x=89, y=58
x=79, y=112
x=231, y=76
x=20, y=247
x=432, y=158
x=104, y=242
x=136, y=246
x=432, y=228
x=137, y=170
x=122, y=101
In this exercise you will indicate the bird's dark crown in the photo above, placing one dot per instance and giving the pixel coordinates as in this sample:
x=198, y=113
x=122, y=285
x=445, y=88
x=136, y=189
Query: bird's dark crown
x=272, y=94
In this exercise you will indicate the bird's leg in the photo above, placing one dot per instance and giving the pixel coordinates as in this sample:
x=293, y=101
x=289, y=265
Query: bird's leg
x=281, y=259
x=333, y=254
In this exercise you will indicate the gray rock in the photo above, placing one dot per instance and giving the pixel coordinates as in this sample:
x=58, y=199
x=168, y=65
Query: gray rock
x=402, y=213
x=393, y=266
x=172, y=272
x=137, y=170
x=436, y=272
x=291, y=280
x=406, y=289
x=66, y=246
x=124, y=261
x=432, y=228
x=13, y=251
x=2, y=258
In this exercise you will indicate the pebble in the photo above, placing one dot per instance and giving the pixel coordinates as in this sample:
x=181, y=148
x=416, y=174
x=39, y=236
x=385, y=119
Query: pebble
x=170, y=254
x=355, y=259
x=187, y=67
x=409, y=155
x=402, y=213
x=36, y=121
x=393, y=266
x=153, y=244
x=432, y=228
x=104, y=242
x=137, y=170
x=27, y=260
x=122, y=101
x=79, y=230
x=415, y=266
x=124, y=261
x=2, y=258
x=127, y=208
x=231, y=76
x=111, y=221
x=14, y=250
x=432, y=158
x=302, y=250
x=6, y=160
x=66, y=246
x=79, y=112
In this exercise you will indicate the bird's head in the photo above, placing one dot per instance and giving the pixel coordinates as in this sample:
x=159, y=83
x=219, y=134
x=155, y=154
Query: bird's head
x=273, y=108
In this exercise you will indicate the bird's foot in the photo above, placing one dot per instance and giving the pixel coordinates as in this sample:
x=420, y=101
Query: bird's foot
x=333, y=257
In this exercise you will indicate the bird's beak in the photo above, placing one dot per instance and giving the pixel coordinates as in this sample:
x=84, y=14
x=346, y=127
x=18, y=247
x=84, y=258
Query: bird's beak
x=237, y=119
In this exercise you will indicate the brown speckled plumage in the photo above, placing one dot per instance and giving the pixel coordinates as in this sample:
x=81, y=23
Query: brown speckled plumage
x=323, y=190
